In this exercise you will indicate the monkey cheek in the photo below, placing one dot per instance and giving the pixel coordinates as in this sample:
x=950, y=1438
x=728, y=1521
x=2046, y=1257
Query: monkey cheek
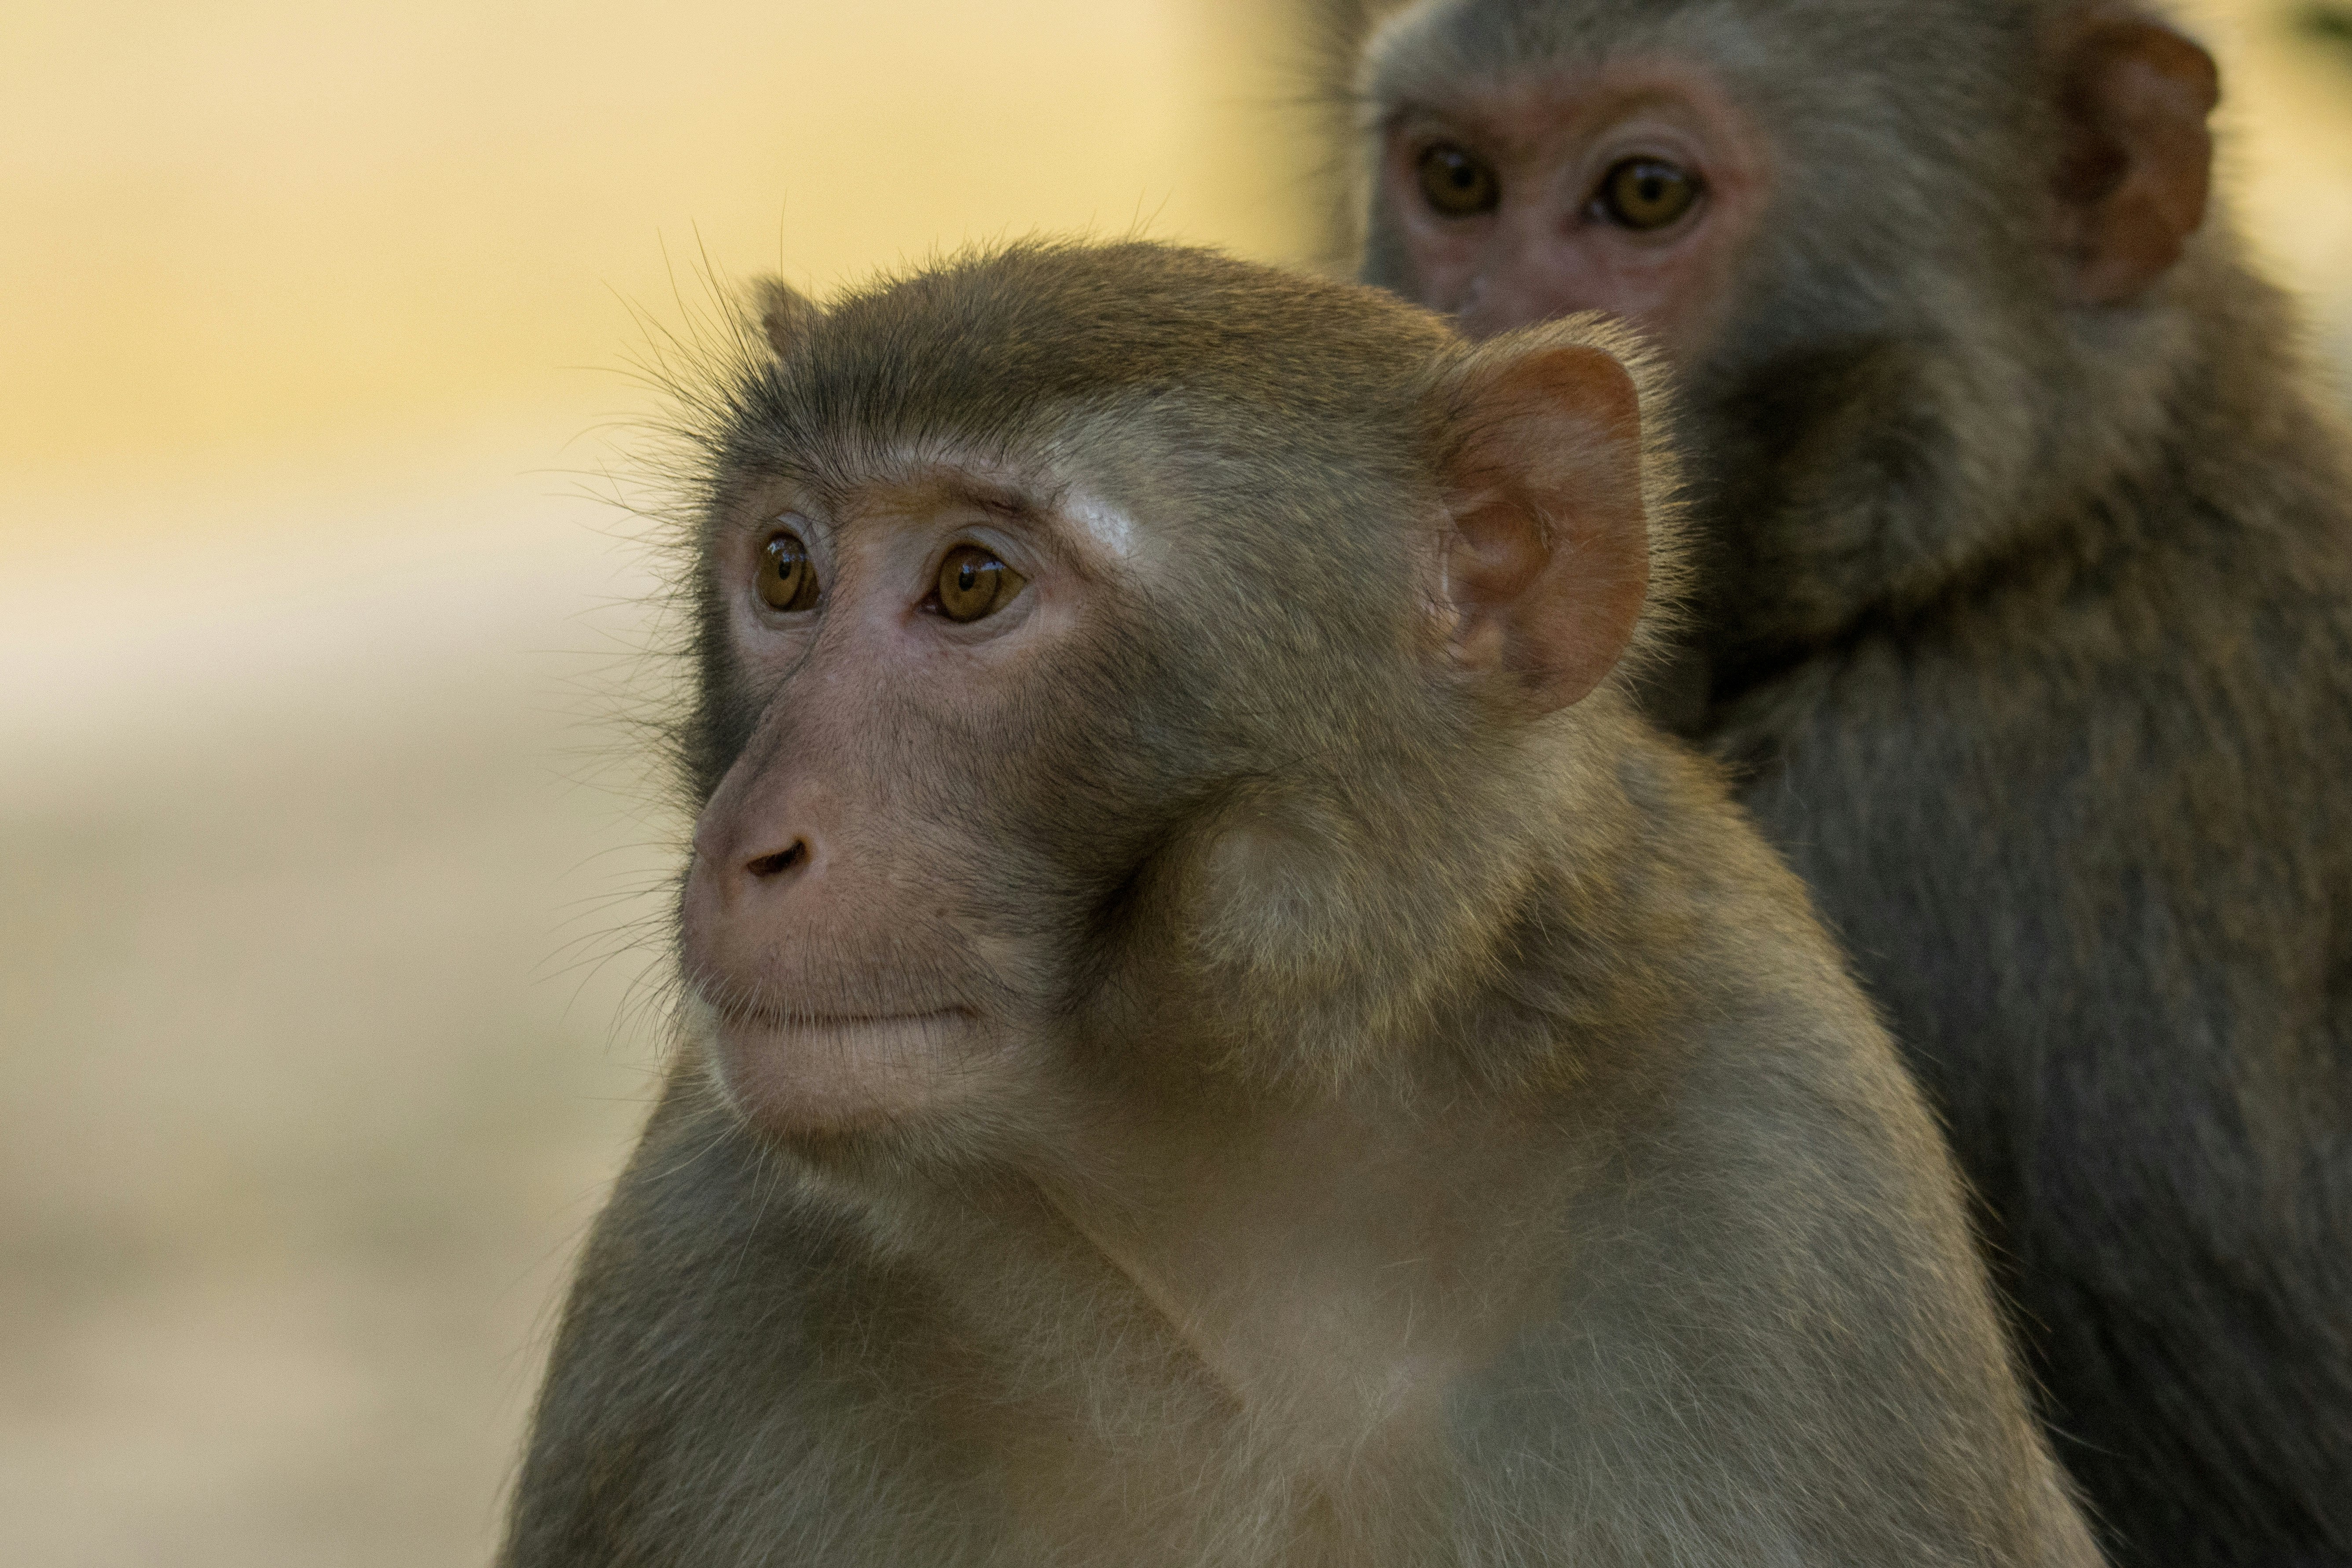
x=1268, y=917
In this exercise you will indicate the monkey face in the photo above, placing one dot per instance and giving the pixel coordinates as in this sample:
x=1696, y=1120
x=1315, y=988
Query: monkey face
x=1629, y=188
x=883, y=877
x=1062, y=716
x=1694, y=169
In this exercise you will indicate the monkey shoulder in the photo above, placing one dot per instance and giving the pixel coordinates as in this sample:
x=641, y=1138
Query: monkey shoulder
x=1819, y=1248
x=1719, y=901
x=1813, y=1251
x=1777, y=1041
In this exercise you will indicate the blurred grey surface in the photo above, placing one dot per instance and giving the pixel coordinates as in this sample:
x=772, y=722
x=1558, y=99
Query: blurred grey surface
x=320, y=1024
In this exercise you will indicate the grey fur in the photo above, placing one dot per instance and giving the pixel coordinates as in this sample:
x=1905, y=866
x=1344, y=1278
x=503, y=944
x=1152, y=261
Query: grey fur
x=2028, y=628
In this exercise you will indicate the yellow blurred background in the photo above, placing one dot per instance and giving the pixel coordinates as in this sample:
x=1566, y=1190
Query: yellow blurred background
x=329, y=886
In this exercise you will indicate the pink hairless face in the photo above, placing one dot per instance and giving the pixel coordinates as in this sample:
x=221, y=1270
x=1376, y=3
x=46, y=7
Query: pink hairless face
x=827, y=932
x=1630, y=188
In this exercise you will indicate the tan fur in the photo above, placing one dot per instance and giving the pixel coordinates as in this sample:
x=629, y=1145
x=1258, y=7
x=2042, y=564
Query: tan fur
x=1418, y=1128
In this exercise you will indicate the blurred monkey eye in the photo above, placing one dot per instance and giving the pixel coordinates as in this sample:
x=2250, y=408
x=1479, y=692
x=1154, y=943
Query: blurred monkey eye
x=974, y=584
x=1456, y=183
x=787, y=576
x=1646, y=193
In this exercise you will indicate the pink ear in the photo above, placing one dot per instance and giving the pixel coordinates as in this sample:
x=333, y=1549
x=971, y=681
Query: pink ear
x=1549, y=561
x=2139, y=160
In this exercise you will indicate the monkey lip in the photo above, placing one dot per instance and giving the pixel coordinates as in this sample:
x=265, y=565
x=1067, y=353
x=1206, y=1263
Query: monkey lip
x=822, y=1072
x=845, y=1027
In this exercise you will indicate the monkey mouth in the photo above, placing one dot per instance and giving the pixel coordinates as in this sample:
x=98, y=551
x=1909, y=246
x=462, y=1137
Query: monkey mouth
x=766, y=1024
x=845, y=1026
x=805, y=1071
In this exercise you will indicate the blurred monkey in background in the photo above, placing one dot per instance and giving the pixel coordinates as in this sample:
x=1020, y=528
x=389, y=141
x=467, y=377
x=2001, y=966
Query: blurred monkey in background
x=2024, y=616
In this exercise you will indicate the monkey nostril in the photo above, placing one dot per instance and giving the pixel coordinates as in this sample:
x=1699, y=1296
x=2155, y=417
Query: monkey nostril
x=790, y=858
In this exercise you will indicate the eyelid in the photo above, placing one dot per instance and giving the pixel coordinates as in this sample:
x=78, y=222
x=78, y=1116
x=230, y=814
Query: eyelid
x=812, y=534
x=1645, y=138
x=1008, y=543
x=1414, y=133
x=1417, y=122
x=1422, y=147
x=765, y=522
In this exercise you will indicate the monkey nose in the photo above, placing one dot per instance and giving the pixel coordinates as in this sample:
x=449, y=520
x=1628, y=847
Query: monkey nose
x=731, y=865
x=1495, y=307
x=758, y=838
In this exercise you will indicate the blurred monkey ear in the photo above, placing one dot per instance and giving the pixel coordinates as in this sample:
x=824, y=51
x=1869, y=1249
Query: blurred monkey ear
x=2139, y=159
x=785, y=314
x=1547, y=561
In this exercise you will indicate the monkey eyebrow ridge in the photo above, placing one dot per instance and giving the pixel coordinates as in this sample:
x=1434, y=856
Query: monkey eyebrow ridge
x=1012, y=502
x=948, y=481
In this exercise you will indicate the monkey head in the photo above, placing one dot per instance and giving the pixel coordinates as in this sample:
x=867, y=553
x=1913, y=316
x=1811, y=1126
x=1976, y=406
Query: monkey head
x=1885, y=244
x=1082, y=632
x=1533, y=158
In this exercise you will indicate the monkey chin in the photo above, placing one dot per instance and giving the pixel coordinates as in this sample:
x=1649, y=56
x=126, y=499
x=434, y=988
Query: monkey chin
x=821, y=1076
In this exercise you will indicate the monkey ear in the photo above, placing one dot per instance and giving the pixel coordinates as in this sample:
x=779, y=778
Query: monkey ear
x=785, y=314
x=1548, y=560
x=2139, y=159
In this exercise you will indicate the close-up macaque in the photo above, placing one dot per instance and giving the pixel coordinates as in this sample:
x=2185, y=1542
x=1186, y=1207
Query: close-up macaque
x=2022, y=614
x=1214, y=1034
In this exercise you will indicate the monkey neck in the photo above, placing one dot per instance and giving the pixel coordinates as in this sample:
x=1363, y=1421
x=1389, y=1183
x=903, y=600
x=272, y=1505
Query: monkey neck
x=1335, y=1260
x=1341, y=1255
x=1333, y=1265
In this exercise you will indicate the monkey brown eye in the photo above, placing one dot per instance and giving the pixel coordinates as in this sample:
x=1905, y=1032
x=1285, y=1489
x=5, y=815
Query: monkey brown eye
x=1646, y=193
x=1456, y=183
x=974, y=584
x=787, y=576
